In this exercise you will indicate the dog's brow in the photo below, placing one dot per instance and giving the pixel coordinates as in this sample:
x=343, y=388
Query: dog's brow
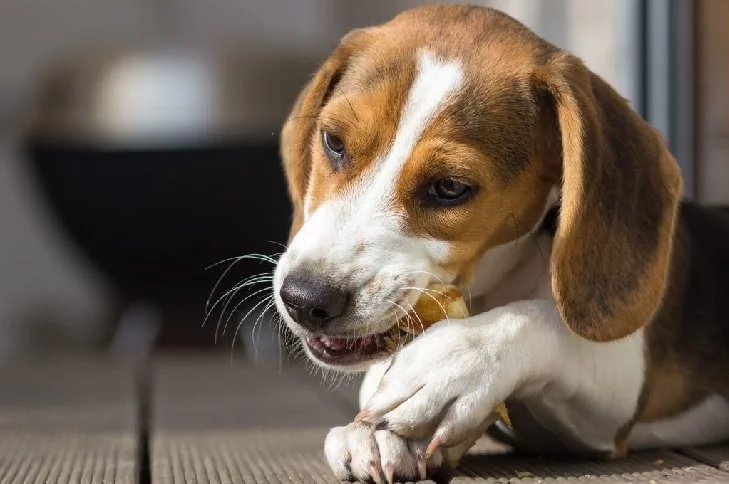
x=435, y=81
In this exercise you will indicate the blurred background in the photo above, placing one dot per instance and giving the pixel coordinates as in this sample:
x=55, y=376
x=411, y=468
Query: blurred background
x=138, y=145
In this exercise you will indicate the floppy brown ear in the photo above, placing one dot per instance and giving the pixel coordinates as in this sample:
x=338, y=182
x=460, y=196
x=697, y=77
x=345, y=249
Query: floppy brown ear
x=620, y=194
x=298, y=130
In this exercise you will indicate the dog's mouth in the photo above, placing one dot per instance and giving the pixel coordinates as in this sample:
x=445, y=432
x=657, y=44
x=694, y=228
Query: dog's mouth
x=339, y=351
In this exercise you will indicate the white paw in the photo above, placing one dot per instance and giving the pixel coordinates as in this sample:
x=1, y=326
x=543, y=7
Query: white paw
x=359, y=452
x=444, y=385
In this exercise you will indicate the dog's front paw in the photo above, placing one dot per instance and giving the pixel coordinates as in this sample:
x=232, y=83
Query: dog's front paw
x=359, y=452
x=444, y=385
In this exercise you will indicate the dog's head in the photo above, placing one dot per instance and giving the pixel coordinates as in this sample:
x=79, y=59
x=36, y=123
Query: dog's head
x=423, y=143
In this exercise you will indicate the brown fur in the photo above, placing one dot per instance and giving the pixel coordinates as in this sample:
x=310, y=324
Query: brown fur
x=620, y=185
x=528, y=117
x=299, y=129
x=688, y=339
x=620, y=193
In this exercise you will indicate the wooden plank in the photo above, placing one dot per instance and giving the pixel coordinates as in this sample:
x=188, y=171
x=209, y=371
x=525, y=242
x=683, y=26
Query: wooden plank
x=213, y=393
x=651, y=467
x=717, y=456
x=295, y=456
x=67, y=421
x=214, y=422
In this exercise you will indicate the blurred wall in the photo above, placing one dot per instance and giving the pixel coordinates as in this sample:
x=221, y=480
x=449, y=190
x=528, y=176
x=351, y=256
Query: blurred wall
x=712, y=102
x=49, y=295
x=601, y=32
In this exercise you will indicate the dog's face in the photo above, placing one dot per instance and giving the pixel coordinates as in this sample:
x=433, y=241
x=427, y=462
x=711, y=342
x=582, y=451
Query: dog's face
x=418, y=147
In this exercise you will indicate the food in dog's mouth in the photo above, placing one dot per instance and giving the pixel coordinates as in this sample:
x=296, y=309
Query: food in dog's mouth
x=437, y=302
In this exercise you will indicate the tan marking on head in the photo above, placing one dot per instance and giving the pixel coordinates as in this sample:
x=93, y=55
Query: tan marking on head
x=499, y=213
x=366, y=121
x=364, y=94
x=493, y=134
x=620, y=185
x=528, y=116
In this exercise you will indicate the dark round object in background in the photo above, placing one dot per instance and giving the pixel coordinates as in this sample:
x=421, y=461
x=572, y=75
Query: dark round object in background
x=162, y=161
x=153, y=220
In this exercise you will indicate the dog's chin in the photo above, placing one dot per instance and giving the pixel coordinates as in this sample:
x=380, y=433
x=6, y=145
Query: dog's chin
x=348, y=354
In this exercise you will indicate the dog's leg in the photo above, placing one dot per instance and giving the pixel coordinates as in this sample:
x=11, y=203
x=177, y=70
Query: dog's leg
x=443, y=385
x=434, y=397
x=371, y=381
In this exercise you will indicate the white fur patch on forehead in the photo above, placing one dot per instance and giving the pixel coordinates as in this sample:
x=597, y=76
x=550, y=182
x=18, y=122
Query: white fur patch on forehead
x=435, y=81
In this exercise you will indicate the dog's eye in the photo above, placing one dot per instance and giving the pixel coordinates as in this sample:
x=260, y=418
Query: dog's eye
x=333, y=143
x=334, y=148
x=448, y=191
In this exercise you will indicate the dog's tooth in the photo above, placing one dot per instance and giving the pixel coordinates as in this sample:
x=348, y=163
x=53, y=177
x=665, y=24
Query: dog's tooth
x=334, y=343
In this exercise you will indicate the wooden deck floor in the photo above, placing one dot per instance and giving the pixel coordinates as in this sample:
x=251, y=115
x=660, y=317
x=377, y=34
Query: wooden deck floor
x=206, y=420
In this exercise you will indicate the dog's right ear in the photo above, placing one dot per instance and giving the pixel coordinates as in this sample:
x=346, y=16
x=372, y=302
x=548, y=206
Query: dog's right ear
x=298, y=130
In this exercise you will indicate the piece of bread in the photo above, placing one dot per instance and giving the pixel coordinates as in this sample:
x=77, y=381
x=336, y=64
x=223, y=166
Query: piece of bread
x=437, y=303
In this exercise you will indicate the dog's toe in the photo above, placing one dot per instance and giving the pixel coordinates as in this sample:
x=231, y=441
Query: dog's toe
x=358, y=452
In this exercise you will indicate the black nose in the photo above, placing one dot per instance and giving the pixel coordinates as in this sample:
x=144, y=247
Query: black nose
x=310, y=301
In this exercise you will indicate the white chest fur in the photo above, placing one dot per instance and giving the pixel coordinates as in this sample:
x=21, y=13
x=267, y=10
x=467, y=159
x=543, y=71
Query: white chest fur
x=707, y=422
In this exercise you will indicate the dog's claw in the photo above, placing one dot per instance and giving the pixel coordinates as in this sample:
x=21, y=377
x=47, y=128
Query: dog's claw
x=390, y=473
x=432, y=447
x=422, y=466
x=361, y=416
x=374, y=469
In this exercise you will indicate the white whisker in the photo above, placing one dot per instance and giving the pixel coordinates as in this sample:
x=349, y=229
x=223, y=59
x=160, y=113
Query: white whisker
x=259, y=322
x=232, y=312
x=420, y=321
x=407, y=314
x=427, y=293
x=235, y=260
x=283, y=246
x=258, y=291
x=258, y=257
x=408, y=318
x=249, y=281
x=425, y=272
x=243, y=319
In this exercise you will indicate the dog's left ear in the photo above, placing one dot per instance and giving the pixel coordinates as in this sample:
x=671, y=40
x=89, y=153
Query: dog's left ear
x=620, y=194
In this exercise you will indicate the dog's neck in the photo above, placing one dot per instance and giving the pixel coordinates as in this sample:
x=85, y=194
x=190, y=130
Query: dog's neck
x=515, y=271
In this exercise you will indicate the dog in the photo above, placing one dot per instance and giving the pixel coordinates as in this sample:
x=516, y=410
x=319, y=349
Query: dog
x=453, y=145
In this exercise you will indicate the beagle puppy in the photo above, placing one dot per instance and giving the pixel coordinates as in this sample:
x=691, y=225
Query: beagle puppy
x=454, y=145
